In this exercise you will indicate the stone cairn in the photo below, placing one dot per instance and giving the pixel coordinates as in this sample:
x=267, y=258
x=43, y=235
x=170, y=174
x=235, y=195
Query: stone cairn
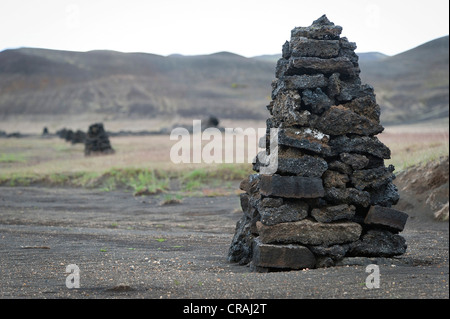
x=97, y=141
x=331, y=195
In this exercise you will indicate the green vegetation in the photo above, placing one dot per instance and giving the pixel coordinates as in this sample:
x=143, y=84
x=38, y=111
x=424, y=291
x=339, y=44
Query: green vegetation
x=139, y=181
x=198, y=178
x=408, y=155
x=172, y=199
x=12, y=158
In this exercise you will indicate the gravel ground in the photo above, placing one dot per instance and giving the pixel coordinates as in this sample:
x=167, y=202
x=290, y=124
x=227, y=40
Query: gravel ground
x=127, y=247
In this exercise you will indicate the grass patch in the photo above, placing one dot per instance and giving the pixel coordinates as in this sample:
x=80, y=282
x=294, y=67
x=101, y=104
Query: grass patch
x=12, y=158
x=416, y=154
x=149, y=182
x=205, y=176
x=171, y=199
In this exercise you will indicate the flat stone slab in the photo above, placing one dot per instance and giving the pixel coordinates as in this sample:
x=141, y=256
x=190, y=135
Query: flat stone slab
x=333, y=213
x=313, y=65
x=386, y=216
x=304, y=47
x=287, y=212
x=282, y=256
x=291, y=186
x=339, y=120
x=307, y=232
x=299, y=82
x=306, y=139
x=306, y=165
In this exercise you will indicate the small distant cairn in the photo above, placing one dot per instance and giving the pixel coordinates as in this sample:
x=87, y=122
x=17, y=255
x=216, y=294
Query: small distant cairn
x=77, y=137
x=331, y=196
x=97, y=141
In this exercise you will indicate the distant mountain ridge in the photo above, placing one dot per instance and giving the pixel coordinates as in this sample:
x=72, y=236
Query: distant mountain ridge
x=411, y=86
x=414, y=85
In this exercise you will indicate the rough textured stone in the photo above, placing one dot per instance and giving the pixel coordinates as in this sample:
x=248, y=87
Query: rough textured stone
x=373, y=177
x=304, y=47
x=316, y=100
x=307, y=232
x=365, y=106
x=336, y=252
x=333, y=213
x=312, y=65
x=306, y=165
x=360, y=145
x=306, y=139
x=285, y=51
x=291, y=186
x=330, y=164
x=287, y=107
x=386, y=195
x=240, y=250
x=384, y=216
x=340, y=167
x=339, y=120
x=378, y=243
x=321, y=29
x=356, y=161
x=351, y=196
x=298, y=82
x=335, y=179
x=250, y=184
x=282, y=256
x=288, y=212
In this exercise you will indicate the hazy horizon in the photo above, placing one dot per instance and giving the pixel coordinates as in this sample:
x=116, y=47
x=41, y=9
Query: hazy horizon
x=197, y=27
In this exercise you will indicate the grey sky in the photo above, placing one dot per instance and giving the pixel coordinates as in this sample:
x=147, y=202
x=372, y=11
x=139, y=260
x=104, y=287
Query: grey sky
x=245, y=27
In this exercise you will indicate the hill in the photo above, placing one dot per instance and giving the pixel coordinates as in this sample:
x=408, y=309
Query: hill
x=410, y=87
x=47, y=82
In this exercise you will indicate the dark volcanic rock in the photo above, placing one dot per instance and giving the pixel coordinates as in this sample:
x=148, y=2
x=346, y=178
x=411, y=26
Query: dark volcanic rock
x=282, y=256
x=372, y=177
x=339, y=120
x=307, y=232
x=291, y=186
x=304, y=47
x=321, y=29
x=296, y=82
x=78, y=137
x=240, y=250
x=306, y=165
x=333, y=213
x=360, y=145
x=316, y=100
x=313, y=65
x=288, y=212
x=386, y=195
x=305, y=139
x=351, y=196
x=378, y=243
x=329, y=192
x=384, y=216
x=97, y=141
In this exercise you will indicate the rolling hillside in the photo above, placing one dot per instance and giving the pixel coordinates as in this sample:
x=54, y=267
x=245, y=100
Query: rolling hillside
x=38, y=81
x=412, y=86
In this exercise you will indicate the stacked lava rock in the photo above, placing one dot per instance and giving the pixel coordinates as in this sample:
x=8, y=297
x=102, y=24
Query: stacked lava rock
x=97, y=141
x=331, y=194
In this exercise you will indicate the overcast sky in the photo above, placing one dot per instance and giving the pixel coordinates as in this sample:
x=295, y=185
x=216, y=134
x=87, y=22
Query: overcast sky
x=191, y=27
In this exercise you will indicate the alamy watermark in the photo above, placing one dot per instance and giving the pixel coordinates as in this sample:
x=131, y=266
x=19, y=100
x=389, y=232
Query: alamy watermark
x=373, y=279
x=227, y=146
x=73, y=280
